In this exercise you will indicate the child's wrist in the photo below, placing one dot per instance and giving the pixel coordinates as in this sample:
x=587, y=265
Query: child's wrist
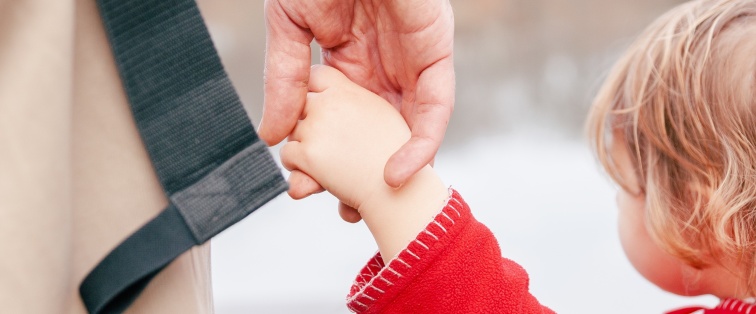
x=396, y=216
x=422, y=188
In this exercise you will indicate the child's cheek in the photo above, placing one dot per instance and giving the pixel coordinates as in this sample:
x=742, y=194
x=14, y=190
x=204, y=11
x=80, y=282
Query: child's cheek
x=653, y=263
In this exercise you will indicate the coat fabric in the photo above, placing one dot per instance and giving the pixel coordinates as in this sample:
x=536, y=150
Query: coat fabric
x=454, y=266
x=75, y=179
x=727, y=306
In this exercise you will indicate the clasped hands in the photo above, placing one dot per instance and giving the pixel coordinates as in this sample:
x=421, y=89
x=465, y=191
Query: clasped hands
x=400, y=51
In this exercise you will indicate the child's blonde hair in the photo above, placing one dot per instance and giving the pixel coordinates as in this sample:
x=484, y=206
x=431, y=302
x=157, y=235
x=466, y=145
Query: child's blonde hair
x=682, y=100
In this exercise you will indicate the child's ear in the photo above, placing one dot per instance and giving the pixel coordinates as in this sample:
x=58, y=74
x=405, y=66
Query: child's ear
x=322, y=77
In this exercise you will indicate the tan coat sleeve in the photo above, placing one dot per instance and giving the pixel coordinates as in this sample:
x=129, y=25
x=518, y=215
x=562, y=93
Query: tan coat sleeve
x=75, y=179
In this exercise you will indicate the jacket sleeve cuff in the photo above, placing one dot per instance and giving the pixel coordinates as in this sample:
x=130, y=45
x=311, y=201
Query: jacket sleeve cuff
x=378, y=284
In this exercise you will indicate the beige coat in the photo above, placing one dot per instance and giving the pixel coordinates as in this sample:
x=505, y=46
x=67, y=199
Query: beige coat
x=75, y=179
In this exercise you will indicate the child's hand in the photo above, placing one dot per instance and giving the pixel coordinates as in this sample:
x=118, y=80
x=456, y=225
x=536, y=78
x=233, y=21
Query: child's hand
x=344, y=138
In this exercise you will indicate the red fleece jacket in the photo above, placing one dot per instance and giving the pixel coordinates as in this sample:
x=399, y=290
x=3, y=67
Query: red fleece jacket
x=727, y=306
x=454, y=266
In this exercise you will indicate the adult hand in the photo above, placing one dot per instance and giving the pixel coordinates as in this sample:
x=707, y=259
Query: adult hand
x=400, y=50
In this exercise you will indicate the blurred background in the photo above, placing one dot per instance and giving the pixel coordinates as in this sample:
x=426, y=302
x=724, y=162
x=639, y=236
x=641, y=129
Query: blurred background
x=526, y=73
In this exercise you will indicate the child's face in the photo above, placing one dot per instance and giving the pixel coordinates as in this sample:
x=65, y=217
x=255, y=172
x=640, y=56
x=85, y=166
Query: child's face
x=655, y=264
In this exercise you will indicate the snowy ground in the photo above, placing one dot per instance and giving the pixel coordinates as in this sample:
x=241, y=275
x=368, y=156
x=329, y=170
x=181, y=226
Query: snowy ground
x=551, y=209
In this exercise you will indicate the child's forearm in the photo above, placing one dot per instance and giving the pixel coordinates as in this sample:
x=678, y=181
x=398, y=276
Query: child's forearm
x=396, y=216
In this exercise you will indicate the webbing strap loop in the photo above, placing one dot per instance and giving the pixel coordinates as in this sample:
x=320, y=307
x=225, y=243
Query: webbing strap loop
x=210, y=162
x=119, y=278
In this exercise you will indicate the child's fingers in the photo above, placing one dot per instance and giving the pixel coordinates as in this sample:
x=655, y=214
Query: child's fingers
x=322, y=77
x=310, y=100
x=348, y=213
x=299, y=132
x=301, y=185
x=291, y=155
x=296, y=134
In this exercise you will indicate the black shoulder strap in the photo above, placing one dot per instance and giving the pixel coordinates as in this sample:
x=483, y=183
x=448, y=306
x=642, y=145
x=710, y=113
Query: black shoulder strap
x=212, y=166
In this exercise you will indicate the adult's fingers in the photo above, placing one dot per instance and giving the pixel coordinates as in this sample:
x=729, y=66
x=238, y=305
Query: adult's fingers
x=287, y=70
x=428, y=120
x=348, y=213
x=408, y=160
x=415, y=15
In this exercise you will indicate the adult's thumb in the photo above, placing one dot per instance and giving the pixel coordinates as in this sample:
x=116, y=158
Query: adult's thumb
x=287, y=70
